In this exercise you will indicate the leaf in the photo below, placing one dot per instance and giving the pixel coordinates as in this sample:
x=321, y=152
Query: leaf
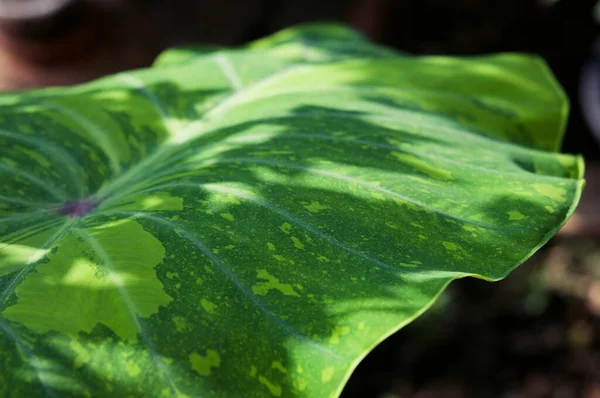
x=251, y=222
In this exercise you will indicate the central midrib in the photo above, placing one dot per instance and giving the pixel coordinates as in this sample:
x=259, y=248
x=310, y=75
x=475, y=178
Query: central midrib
x=191, y=131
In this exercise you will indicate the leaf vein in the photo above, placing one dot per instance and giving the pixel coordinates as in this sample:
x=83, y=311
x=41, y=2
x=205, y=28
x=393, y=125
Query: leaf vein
x=31, y=359
x=96, y=134
x=31, y=262
x=60, y=155
x=227, y=271
x=229, y=71
x=55, y=192
x=97, y=247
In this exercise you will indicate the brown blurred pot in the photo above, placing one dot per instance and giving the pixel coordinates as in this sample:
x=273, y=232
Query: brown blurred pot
x=69, y=41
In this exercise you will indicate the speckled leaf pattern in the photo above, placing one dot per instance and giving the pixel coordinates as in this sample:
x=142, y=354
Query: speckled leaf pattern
x=251, y=222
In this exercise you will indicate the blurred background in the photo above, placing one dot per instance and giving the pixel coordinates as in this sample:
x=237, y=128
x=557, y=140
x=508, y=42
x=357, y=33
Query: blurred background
x=535, y=334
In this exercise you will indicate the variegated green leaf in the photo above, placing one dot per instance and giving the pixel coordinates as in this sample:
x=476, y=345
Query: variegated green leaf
x=251, y=222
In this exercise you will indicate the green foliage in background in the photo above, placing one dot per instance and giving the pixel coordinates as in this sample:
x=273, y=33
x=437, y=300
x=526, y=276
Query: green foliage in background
x=251, y=222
